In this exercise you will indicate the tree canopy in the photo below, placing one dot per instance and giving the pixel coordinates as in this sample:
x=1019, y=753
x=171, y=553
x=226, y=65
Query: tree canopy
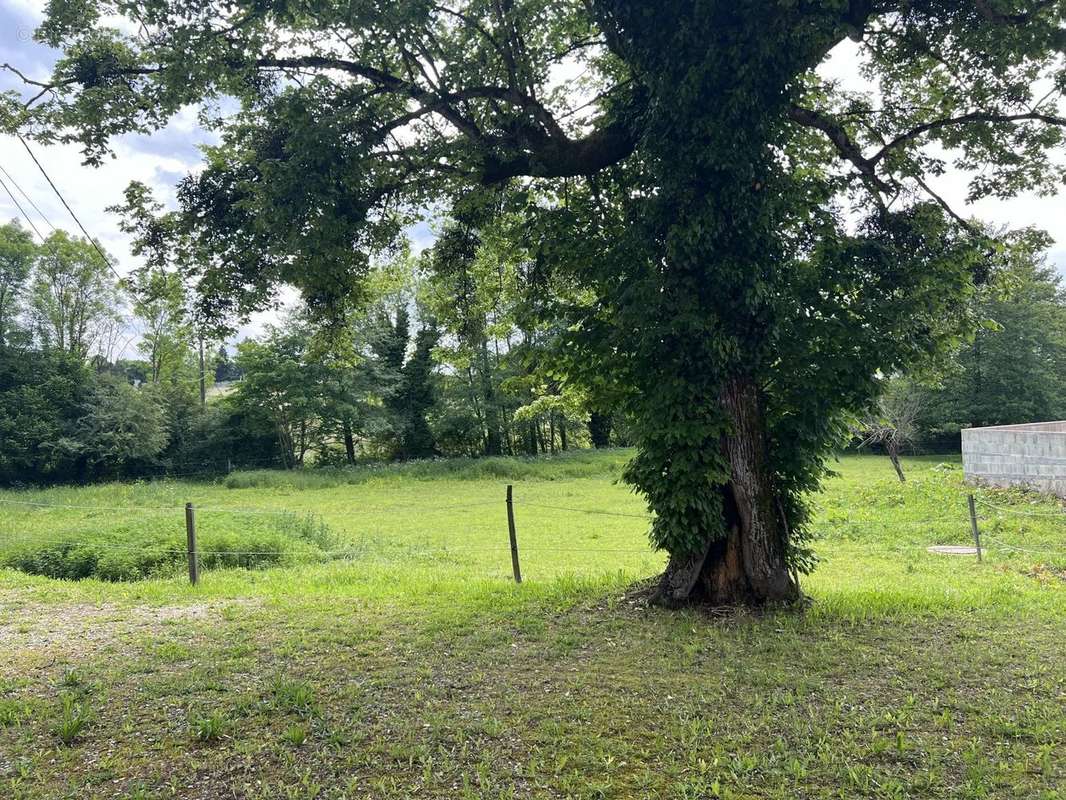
x=747, y=245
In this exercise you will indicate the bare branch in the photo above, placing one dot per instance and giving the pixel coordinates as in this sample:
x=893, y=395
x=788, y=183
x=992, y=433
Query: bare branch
x=964, y=119
x=940, y=201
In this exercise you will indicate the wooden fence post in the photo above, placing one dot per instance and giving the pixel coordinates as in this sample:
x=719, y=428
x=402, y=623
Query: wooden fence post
x=973, y=526
x=190, y=531
x=514, y=537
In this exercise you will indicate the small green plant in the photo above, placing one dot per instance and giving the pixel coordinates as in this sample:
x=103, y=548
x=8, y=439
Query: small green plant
x=208, y=729
x=12, y=712
x=73, y=719
x=296, y=696
x=295, y=735
x=74, y=678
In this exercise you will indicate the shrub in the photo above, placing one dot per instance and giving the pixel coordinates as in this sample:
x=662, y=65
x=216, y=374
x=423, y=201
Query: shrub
x=155, y=547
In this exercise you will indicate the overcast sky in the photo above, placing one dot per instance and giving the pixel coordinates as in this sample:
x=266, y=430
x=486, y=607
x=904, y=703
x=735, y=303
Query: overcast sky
x=163, y=158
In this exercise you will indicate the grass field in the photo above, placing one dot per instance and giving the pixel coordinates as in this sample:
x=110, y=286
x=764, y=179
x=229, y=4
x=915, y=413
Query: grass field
x=377, y=648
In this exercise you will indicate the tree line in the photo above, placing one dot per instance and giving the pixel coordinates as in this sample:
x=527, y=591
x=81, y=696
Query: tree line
x=1012, y=370
x=450, y=354
x=102, y=379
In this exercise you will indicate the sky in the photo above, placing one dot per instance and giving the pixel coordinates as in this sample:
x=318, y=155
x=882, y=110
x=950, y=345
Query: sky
x=162, y=159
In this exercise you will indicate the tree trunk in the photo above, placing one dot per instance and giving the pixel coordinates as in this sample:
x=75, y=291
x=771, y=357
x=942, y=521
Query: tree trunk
x=746, y=566
x=203, y=376
x=349, y=442
x=493, y=444
x=599, y=429
x=893, y=455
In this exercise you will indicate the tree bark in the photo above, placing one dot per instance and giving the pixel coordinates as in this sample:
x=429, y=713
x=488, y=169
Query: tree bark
x=747, y=565
x=893, y=455
x=349, y=442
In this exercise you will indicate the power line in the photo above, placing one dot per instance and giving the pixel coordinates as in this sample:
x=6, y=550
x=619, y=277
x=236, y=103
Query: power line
x=21, y=209
x=29, y=199
x=66, y=205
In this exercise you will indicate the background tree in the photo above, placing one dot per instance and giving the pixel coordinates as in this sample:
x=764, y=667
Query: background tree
x=225, y=369
x=167, y=334
x=463, y=294
x=417, y=395
x=892, y=424
x=121, y=426
x=43, y=395
x=1014, y=370
x=73, y=295
x=280, y=378
x=757, y=243
x=17, y=254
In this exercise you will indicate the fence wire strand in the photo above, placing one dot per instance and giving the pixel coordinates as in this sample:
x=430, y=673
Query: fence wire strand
x=1018, y=512
x=1014, y=548
x=382, y=551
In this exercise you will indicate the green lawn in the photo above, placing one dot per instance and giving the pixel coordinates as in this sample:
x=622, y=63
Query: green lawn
x=379, y=649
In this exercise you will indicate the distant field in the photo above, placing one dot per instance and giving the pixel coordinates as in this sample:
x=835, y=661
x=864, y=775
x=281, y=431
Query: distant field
x=356, y=634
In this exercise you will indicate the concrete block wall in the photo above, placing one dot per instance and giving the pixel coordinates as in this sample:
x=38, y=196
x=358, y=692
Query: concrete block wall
x=1031, y=455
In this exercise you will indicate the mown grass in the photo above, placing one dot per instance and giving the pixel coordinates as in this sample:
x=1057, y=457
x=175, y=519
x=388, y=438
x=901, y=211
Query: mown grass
x=412, y=666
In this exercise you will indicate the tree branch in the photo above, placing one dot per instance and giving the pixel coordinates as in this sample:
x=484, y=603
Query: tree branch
x=810, y=118
x=964, y=119
x=940, y=201
x=1058, y=35
x=565, y=158
x=992, y=15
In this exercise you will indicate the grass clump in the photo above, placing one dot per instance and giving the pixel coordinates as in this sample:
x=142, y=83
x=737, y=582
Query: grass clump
x=295, y=696
x=208, y=729
x=12, y=712
x=74, y=718
x=295, y=735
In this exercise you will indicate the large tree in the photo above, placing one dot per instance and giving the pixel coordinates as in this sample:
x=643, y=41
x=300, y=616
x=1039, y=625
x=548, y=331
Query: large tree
x=757, y=242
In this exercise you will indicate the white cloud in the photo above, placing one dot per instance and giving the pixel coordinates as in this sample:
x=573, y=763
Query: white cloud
x=89, y=191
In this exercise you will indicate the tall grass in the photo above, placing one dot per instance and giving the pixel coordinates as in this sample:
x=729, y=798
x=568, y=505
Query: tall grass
x=562, y=467
x=153, y=545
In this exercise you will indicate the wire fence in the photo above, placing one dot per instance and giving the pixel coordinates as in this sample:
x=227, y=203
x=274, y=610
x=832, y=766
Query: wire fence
x=998, y=512
x=436, y=547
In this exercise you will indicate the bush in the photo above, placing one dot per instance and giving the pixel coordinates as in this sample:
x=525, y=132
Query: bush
x=155, y=547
